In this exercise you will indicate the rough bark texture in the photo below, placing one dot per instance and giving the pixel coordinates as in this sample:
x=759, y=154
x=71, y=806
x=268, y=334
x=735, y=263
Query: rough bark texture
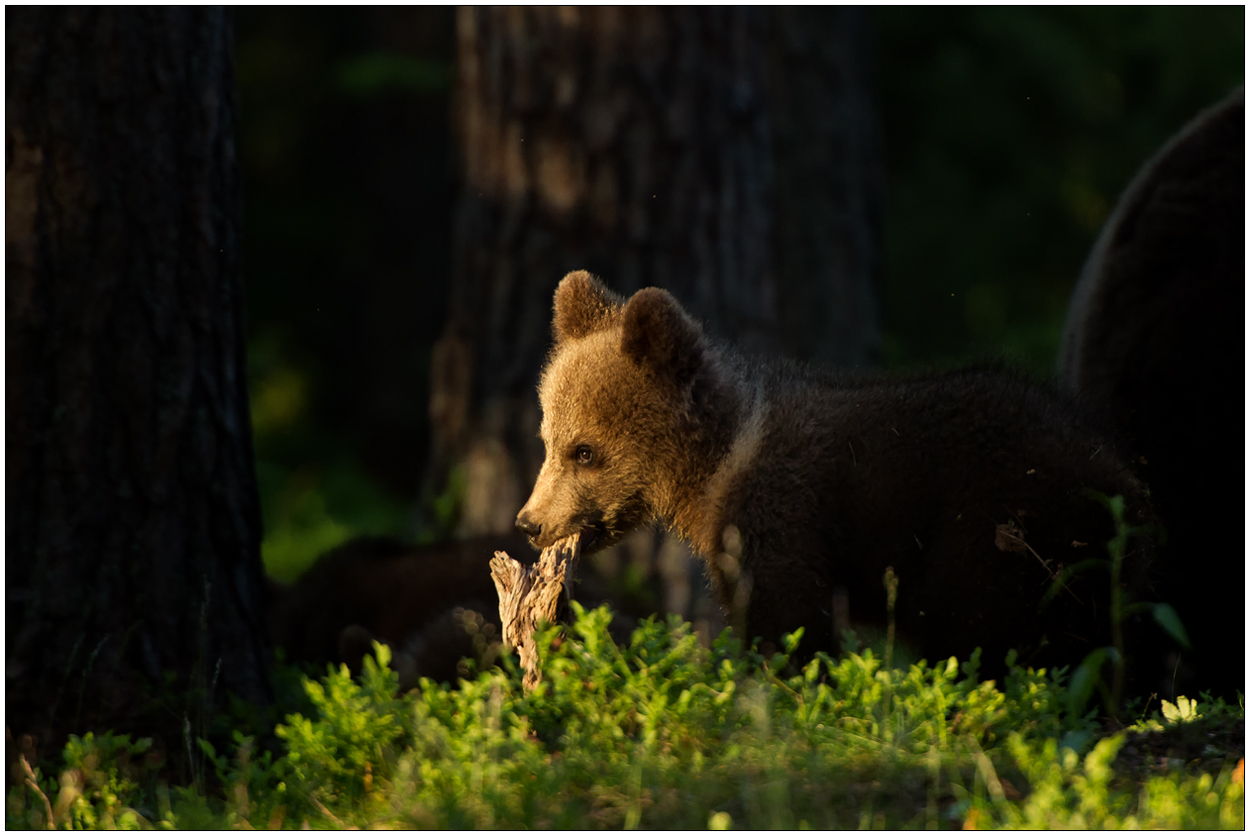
x=532, y=595
x=828, y=183
x=133, y=526
x=639, y=144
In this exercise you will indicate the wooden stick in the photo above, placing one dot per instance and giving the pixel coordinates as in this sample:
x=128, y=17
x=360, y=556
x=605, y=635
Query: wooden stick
x=313, y=797
x=529, y=596
x=34, y=785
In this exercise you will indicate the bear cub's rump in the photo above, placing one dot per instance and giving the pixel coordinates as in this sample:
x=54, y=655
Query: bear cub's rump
x=971, y=485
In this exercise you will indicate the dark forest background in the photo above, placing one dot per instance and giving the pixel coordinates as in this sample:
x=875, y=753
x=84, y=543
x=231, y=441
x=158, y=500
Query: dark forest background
x=1007, y=134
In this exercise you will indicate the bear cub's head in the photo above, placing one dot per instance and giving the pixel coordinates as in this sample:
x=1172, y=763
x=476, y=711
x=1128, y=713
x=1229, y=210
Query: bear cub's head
x=615, y=397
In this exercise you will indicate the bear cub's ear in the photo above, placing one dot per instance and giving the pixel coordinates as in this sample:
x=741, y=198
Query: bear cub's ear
x=583, y=306
x=657, y=332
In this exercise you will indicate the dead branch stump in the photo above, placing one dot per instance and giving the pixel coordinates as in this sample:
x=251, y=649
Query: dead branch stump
x=529, y=596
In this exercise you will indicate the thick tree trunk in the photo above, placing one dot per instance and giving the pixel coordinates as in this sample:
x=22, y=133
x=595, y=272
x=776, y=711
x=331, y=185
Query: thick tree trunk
x=133, y=526
x=638, y=143
x=828, y=183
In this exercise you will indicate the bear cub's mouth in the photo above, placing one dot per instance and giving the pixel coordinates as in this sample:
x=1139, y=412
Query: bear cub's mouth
x=587, y=537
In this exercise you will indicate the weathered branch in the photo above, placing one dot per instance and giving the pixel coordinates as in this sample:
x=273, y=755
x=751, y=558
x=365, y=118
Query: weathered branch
x=530, y=596
x=29, y=775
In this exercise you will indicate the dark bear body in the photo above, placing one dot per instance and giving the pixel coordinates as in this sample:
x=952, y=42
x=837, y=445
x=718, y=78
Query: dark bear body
x=1155, y=342
x=433, y=604
x=920, y=475
x=800, y=488
x=427, y=602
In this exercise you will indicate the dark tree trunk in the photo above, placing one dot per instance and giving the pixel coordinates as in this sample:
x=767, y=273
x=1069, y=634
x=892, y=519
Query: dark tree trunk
x=828, y=186
x=133, y=526
x=638, y=143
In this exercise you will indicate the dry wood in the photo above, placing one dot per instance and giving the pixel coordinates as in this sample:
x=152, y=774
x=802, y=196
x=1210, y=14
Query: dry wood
x=29, y=775
x=530, y=596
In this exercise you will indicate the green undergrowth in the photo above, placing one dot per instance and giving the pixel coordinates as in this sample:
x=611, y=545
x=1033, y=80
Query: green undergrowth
x=665, y=733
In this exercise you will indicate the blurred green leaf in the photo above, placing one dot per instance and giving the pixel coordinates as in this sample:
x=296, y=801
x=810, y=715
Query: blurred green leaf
x=377, y=71
x=1170, y=621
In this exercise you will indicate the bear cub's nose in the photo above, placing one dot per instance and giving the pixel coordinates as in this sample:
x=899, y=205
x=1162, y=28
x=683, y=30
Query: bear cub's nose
x=527, y=526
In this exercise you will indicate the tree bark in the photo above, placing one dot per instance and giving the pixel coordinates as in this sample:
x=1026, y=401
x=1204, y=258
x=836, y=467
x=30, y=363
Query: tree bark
x=828, y=183
x=133, y=525
x=638, y=143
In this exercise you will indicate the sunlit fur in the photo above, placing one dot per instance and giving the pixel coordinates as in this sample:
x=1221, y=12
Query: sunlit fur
x=826, y=481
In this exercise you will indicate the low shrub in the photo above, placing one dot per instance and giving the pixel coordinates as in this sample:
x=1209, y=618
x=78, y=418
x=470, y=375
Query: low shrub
x=663, y=732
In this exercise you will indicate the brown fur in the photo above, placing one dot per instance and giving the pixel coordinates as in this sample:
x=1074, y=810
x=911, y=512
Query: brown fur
x=433, y=604
x=1154, y=341
x=814, y=484
x=413, y=598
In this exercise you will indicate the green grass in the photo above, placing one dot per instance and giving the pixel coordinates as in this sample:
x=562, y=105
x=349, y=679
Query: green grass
x=663, y=733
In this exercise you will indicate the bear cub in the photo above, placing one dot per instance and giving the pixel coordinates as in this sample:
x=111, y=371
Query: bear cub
x=799, y=487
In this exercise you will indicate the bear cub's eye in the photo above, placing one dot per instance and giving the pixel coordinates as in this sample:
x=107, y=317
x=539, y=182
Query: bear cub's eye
x=583, y=455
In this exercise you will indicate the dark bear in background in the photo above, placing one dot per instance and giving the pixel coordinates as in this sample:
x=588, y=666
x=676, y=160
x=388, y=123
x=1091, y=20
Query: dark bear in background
x=433, y=605
x=799, y=487
x=1154, y=341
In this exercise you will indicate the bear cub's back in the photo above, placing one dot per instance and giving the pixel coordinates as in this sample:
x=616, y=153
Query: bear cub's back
x=972, y=485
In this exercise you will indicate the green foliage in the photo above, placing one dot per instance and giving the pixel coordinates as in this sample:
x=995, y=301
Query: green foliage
x=1088, y=675
x=301, y=531
x=100, y=783
x=662, y=732
x=1073, y=793
x=1165, y=616
x=254, y=789
x=1190, y=717
x=1009, y=133
x=374, y=72
x=314, y=495
x=310, y=510
x=445, y=509
x=336, y=756
x=1184, y=710
x=105, y=782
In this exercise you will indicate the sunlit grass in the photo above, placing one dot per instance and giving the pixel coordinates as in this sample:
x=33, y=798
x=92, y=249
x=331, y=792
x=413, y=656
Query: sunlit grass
x=663, y=732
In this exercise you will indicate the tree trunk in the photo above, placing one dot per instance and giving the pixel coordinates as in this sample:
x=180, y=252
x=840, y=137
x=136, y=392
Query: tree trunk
x=133, y=525
x=828, y=183
x=638, y=143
